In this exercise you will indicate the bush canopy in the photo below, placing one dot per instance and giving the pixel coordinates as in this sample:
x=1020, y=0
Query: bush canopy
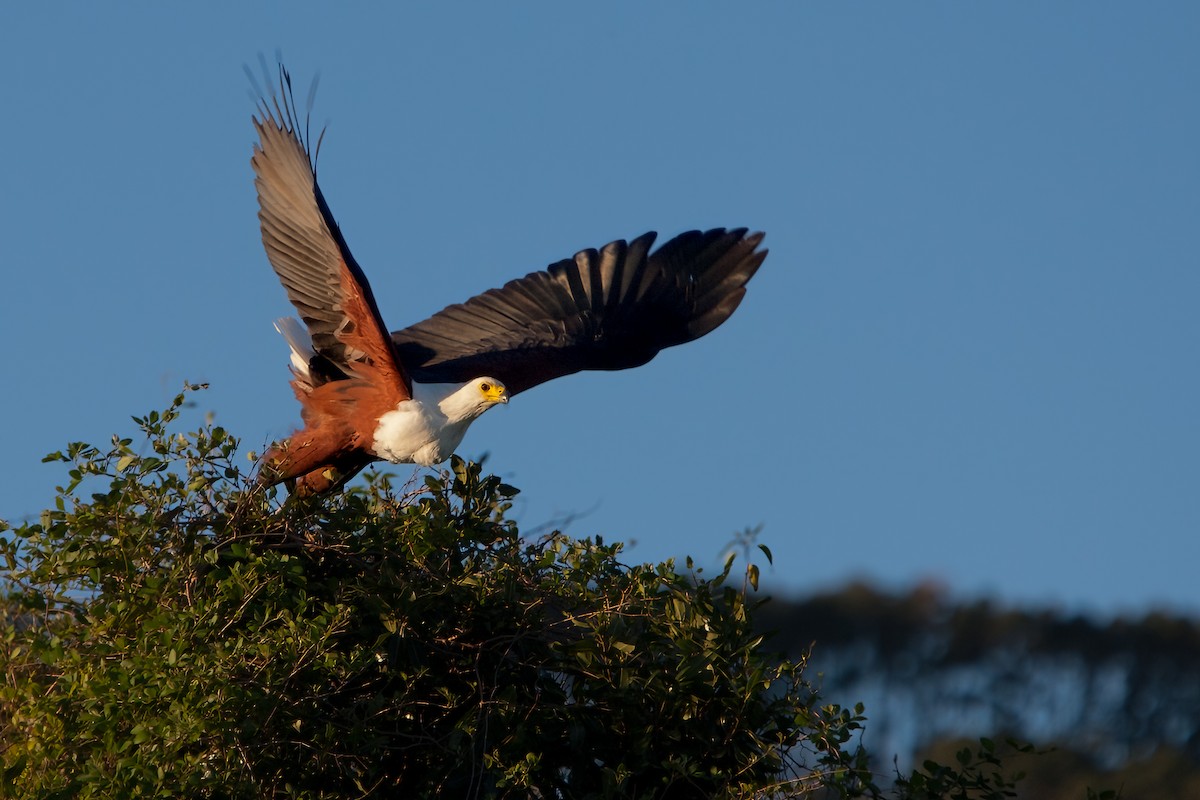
x=172, y=628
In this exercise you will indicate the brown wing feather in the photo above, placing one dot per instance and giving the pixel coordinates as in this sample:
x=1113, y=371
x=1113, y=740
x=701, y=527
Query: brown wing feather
x=609, y=309
x=307, y=251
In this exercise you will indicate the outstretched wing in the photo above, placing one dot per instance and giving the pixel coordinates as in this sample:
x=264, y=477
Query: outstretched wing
x=306, y=249
x=609, y=309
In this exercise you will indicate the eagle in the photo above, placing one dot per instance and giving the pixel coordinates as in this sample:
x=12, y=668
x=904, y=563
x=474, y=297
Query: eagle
x=410, y=395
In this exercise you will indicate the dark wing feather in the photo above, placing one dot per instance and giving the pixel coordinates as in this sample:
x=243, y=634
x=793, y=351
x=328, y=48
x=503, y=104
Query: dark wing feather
x=609, y=309
x=307, y=251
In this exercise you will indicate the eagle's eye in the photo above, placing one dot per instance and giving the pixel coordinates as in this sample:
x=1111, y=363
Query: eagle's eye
x=487, y=387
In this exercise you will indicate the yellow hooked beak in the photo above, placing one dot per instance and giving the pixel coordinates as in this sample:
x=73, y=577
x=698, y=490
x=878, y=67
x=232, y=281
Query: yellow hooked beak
x=494, y=392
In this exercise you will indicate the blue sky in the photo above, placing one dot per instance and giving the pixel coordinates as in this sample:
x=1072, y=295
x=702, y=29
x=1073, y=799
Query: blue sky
x=971, y=355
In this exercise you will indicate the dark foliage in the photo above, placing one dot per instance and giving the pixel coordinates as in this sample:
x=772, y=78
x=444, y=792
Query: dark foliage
x=181, y=632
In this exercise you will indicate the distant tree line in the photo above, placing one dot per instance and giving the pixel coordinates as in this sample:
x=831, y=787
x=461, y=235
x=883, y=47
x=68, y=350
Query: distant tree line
x=928, y=668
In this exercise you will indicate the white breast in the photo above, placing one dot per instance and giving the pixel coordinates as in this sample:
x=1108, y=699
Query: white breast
x=418, y=430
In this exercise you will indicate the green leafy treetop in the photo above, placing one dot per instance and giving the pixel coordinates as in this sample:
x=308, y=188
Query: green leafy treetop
x=173, y=629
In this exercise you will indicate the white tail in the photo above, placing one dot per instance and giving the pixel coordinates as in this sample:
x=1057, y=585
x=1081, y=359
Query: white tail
x=293, y=331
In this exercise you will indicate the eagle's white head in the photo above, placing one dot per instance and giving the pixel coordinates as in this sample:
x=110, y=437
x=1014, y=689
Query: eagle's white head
x=471, y=399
